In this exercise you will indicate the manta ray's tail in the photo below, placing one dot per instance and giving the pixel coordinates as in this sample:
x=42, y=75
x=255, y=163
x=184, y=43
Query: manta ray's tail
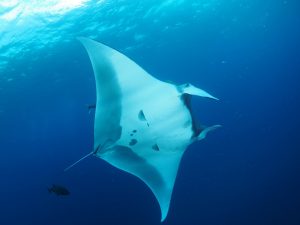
x=82, y=158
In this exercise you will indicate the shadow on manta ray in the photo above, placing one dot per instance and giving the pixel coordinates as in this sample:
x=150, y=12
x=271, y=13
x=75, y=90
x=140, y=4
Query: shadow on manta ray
x=142, y=125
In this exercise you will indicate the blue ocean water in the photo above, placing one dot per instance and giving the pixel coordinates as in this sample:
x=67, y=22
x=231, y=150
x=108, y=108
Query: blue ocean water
x=245, y=52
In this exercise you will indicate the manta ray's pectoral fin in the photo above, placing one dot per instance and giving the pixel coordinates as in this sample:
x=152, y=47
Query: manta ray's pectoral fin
x=192, y=90
x=158, y=171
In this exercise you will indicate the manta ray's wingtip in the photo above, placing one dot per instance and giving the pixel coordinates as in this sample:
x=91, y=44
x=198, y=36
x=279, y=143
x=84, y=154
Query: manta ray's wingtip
x=163, y=218
x=164, y=213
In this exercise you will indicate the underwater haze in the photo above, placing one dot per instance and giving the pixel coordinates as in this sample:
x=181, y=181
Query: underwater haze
x=244, y=52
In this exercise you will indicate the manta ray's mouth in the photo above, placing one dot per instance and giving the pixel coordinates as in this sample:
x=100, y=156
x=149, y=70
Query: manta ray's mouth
x=186, y=99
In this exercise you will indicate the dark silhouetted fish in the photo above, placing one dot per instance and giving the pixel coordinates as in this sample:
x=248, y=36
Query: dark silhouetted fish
x=58, y=190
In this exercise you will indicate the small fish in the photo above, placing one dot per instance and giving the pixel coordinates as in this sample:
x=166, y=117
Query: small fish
x=58, y=190
x=90, y=107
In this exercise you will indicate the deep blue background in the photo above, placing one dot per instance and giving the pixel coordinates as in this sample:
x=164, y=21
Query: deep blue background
x=245, y=173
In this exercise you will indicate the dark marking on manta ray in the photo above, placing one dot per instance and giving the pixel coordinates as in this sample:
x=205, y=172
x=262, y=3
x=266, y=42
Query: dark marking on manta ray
x=155, y=147
x=132, y=142
x=133, y=132
x=142, y=117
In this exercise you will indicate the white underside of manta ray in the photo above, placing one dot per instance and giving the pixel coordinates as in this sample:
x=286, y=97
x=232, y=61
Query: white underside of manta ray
x=142, y=125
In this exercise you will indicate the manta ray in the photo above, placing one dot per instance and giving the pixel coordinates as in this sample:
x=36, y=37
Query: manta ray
x=142, y=125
